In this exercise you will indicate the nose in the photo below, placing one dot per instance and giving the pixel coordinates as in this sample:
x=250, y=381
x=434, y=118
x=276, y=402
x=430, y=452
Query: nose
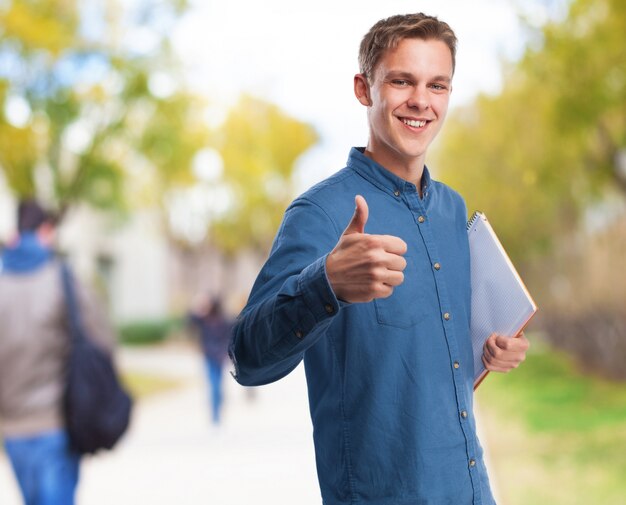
x=419, y=99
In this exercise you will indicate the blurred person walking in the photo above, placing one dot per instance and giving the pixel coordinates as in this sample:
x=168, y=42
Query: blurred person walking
x=34, y=345
x=214, y=330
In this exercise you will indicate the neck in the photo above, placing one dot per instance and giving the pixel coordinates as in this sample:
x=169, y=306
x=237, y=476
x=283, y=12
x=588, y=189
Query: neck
x=410, y=171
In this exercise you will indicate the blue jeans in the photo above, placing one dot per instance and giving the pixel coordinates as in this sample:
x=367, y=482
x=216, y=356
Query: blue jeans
x=45, y=468
x=214, y=378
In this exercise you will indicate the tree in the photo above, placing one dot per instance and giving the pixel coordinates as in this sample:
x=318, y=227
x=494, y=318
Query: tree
x=259, y=145
x=556, y=133
x=542, y=154
x=84, y=115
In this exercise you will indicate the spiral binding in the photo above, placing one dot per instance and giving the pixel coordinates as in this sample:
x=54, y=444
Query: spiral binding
x=475, y=216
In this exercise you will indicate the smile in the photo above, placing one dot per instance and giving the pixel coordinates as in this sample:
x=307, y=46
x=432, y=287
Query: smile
x=413, y=123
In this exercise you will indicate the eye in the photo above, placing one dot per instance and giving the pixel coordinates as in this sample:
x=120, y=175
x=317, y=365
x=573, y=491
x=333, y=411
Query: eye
x=401, y=83
x=438, y=87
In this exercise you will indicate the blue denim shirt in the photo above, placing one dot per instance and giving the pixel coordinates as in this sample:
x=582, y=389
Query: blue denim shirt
x=389, y=381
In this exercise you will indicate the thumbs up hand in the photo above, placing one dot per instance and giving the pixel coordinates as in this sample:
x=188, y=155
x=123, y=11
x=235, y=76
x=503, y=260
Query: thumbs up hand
x=363, y=267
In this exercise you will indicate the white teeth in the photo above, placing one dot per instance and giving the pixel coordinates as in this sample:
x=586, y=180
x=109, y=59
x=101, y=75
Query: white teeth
x=415, y=124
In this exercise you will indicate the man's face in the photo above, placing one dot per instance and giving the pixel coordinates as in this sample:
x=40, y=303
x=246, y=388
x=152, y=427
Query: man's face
x=408, y=99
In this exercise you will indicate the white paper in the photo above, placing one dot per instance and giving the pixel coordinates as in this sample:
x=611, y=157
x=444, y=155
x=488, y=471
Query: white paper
x=500, y=301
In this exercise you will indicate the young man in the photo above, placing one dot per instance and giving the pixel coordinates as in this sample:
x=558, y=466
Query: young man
x=379, y=309
x=34, y=342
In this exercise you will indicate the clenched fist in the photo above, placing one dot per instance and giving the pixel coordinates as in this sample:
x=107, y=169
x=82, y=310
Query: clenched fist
x=502, y=354
x=363, y=267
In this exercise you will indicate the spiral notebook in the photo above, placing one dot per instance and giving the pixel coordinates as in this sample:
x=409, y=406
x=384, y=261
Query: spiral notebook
x=500, y=301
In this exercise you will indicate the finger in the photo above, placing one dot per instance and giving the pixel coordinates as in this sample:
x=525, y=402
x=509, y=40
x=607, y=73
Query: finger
x=394, y=278
x=359, y=218
x=393, y=244
x=495, y=367
x=495, y=353
x=383, y=291
x=395, y=262
x=515, y=344
x=503, y=361
x=520, y=337
x=490, y=346
x=497, y=357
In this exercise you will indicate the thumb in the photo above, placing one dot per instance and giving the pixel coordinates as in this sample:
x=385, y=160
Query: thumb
x=361, y=212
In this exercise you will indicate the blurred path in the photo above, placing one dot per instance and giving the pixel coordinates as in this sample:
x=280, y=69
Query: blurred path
x=262, y=453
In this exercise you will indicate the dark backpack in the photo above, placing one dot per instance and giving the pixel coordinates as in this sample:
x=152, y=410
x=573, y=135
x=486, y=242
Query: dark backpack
x=95, y=405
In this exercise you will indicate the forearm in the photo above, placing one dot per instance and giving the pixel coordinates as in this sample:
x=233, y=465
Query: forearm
x=272, y=334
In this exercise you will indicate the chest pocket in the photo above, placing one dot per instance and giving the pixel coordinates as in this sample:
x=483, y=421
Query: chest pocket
x=407, y=304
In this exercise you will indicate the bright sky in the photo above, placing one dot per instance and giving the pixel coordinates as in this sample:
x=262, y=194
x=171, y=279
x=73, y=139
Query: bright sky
x=303, y=56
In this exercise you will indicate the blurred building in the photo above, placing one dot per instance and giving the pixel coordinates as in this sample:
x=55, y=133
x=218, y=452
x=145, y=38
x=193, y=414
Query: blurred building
x=143, y=275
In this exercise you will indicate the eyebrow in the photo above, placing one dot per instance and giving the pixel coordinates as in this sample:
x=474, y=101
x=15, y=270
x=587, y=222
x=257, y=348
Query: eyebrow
x=395, y=74
x=442, y=78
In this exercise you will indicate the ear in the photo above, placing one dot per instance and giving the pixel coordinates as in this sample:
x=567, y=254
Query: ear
x=362, y=90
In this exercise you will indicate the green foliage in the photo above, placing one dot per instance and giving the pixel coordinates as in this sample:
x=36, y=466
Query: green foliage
x=549, y=394
x=168, y=150
x=40, y=25
x=547, y=146
x=259, y=145
x=100, y=131
x=141, y=384
x=93, y=116
x=147, y=332
x=18, y=158
x=555, y=435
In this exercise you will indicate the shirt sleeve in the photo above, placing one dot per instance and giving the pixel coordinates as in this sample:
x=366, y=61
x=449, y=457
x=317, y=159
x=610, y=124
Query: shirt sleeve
x=292, y=303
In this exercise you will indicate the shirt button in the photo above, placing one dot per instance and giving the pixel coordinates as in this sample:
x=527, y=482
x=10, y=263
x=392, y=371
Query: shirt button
x=421, y=219
x=472, y=462
x=437, y=266
x=446, y=316
x=329, y=308
x=396, y=192
x=456, y=364
x=464, y=414
x=299, y=334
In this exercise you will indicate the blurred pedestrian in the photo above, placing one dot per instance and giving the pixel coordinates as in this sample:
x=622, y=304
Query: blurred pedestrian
x=34, y=344
x=214, y=333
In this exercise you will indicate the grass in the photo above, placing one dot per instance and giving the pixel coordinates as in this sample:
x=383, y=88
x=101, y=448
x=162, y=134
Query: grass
x=148, y=332
x=141, y=384
x=555, y=435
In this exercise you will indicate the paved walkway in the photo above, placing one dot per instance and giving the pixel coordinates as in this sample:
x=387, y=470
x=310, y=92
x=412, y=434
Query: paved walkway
x=261, y=454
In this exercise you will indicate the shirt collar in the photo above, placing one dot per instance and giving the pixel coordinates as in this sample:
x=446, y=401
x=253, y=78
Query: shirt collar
x=25, y=256
x=381, y=177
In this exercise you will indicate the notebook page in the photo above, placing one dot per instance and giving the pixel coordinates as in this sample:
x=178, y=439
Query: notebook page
x=500, y=301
